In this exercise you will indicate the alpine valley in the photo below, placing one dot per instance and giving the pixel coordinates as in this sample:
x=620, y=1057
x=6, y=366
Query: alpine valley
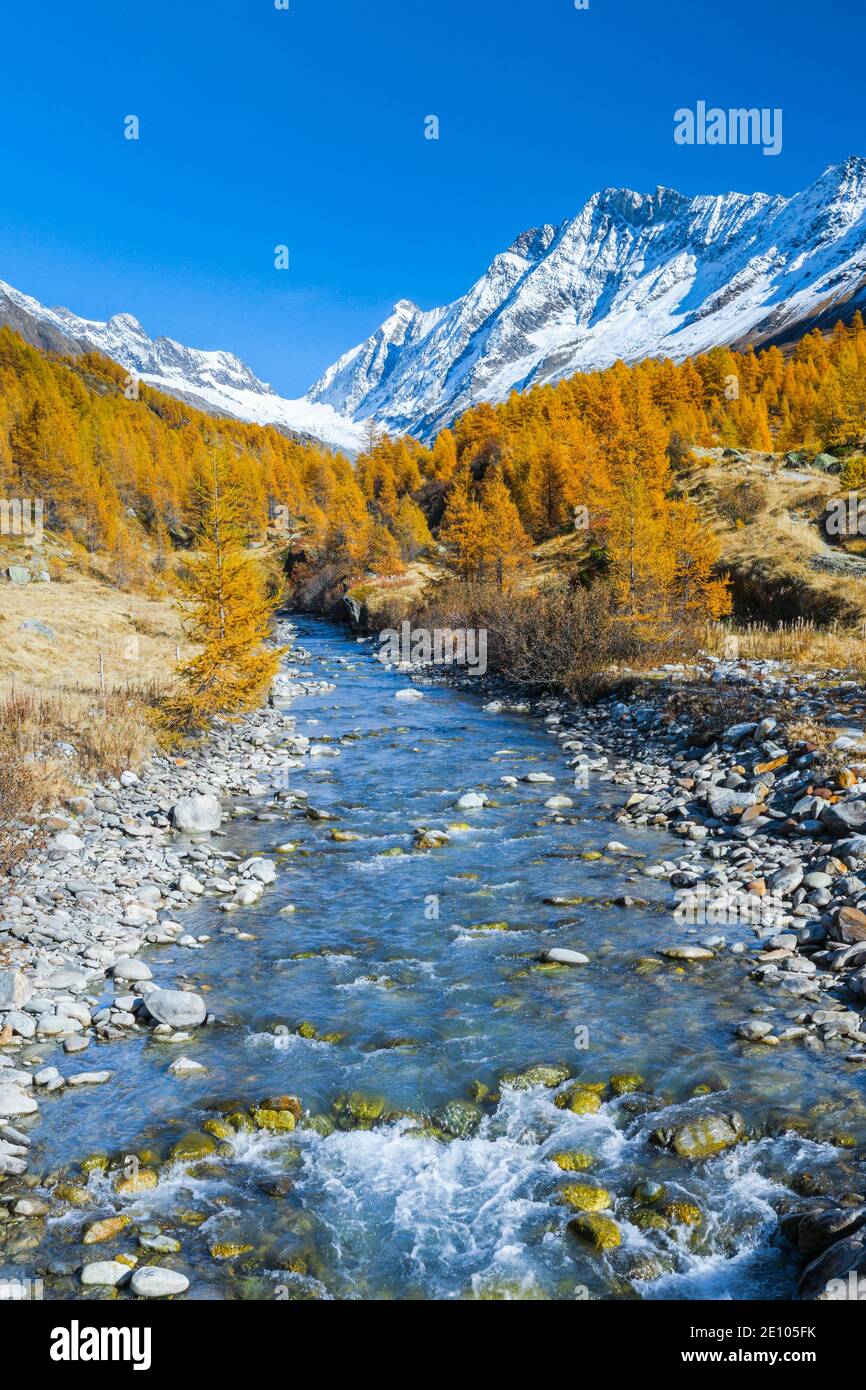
x=631, y=276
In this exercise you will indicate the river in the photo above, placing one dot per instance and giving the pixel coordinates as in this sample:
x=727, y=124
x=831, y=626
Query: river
x=383, y=948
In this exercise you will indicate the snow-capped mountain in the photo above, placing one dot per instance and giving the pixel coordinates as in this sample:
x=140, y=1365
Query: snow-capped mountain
x=631, y=276
x=214, y=381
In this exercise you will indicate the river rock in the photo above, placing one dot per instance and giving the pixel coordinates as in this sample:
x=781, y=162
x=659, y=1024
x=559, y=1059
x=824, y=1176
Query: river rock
x=176, y=1007
x=826, y=1278
x=15, y=1102
x=67, y=842
x=819, y=1230
x=850, y=926
x=561, y=956
x=105, y=1274
x=196, y=815
x=724, y=802
x=703, y=1137
x=185, y=1066
x=785, y=880
x=753, y=1030
x=153, y=1281
x=845, y=818
x=128, y=968
x=263, y=870
x=15, y=990
x=687, y=953
x=459, y=1118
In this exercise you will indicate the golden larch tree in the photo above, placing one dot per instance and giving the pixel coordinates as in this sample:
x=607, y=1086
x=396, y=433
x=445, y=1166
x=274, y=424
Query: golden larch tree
x=226, y=610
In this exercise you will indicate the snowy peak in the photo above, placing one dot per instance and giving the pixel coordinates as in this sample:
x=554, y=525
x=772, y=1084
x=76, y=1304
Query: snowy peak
x=632, y=275
x=214, y=381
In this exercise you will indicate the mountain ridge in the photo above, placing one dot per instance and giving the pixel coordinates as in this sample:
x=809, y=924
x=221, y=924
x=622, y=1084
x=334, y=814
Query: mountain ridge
x=214, y=380
x=631, y=275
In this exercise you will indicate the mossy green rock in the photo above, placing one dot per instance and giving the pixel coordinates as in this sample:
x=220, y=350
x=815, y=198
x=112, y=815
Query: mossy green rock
x=193, y=1146
x=573, y=1161
x=218, y=1128
x=274, y=1121
x=704, y=1137
x=648, y=1220
x=74, y=1195
x=581, y=1196
x=580, y=1100
x=94, y=1163
x=358, y=1110
x=683, y=1214
x=600, y=1232
x=241, y=1122
x=542, y=1075
x=458, y=1118
x=322, y=1125
x=625, y=1082
x=647, y=965
x=145, y=1180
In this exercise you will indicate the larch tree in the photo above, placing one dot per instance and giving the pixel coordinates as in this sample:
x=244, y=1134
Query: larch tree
x=506, y=544
x=226, y=610
x=696, y=590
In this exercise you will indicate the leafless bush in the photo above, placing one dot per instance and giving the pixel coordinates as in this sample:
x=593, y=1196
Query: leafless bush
x=743, y=501
x=566, y=638
x=19, y=794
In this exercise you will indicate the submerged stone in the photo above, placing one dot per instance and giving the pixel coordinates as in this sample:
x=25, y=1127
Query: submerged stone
x=683, y=1214
x=458, y=1118
x=573, y=1161
x=623, y=1083
x=358, y=1110
x=107, y=1229
x=584, y=1197
x=541, y=1075
x=600, y=1232
x=704, y=1137
x=192, y=1147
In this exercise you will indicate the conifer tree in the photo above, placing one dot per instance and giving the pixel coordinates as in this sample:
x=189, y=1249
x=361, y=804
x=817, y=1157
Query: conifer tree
x=505, y=545
x=226, y=610
x=696, y=591
x=411, y=529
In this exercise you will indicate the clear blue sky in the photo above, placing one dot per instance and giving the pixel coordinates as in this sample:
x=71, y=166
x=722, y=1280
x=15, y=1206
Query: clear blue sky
x=306, y=127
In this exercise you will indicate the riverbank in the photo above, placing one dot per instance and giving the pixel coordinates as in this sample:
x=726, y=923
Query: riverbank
x=131, y=854
x=351, y=1000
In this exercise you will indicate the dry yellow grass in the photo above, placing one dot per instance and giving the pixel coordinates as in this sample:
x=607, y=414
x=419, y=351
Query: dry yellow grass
x=801, y=644
x=136, y=635
x=89, y=685
x=775, y=552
